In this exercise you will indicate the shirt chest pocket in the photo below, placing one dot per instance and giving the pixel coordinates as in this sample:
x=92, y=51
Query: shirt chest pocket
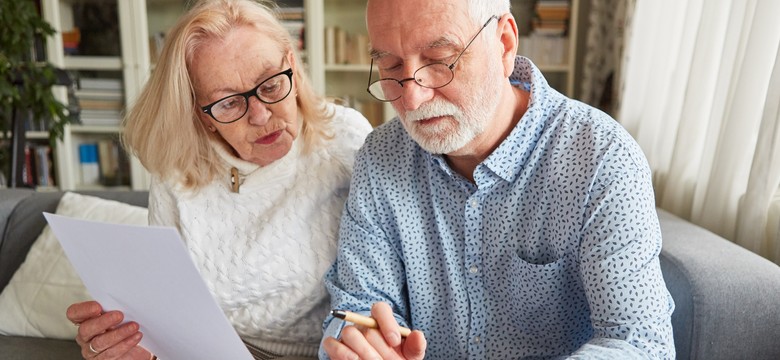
x=546, y=293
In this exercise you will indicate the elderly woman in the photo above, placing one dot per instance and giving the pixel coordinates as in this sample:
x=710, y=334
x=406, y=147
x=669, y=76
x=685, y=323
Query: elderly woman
x=252, y=168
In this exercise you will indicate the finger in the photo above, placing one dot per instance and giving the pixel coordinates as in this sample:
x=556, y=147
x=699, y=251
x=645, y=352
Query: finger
x=98, y=325
x=380, y=345
x=414, y=346
x=383, y=314
x=80, y=312
x=356, y=341
x=336, y=350
x=126, y=348
x=116, y=342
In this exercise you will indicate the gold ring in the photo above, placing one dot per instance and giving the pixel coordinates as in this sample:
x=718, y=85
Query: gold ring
x=92, y=349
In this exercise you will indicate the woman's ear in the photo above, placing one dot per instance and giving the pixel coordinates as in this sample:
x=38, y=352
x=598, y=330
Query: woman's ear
x=507, y=29
x=291, y=59
x=204, y=119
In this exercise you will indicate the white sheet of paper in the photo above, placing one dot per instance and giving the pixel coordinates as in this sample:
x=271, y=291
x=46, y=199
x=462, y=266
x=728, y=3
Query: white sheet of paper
x=147, y=273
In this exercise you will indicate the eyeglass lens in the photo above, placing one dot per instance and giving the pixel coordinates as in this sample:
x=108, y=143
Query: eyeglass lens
x=431, y=76
x=270, y=91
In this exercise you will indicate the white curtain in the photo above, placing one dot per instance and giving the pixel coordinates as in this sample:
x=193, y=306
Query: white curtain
x=701, y=86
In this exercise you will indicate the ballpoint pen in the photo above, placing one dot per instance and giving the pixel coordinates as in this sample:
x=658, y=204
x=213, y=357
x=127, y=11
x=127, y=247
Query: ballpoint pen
x=363, y=320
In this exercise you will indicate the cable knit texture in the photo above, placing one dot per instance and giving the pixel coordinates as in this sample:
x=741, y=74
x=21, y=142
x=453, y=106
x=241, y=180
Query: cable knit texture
x=263, y=251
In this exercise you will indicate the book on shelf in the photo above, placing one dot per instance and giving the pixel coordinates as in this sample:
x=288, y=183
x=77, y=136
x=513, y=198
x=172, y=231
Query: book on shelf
x=104, y=162
x=38, y=169
x=342, y=47
x=99, y=94
x=552, y=17
x=100, y=104
x=101, y=117
x=100, y=83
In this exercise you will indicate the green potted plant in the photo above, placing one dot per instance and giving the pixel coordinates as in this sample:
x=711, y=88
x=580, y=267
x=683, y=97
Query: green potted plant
x=25, y=81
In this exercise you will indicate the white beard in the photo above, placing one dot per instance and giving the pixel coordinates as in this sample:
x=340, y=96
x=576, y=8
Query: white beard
x=461, y=125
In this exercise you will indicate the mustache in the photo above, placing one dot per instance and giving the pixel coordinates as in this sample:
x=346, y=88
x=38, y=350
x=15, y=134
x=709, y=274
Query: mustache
x=432, y=109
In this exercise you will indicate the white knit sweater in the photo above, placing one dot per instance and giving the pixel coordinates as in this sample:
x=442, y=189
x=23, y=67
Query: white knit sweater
x=263, y=251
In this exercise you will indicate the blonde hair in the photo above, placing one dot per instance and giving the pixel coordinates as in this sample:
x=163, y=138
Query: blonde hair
x=174, y=145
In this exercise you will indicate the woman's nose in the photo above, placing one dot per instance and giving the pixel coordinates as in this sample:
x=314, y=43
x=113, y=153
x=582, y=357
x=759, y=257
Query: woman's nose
x=259, y=113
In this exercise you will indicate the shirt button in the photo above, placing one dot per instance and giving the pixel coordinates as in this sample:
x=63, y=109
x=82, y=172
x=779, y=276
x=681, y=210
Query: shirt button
x=474, y=203
x=477, y=339
x=473, y=269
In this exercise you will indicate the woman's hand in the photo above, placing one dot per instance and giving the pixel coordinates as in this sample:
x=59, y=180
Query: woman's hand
x=103, y=336
x=383, y=343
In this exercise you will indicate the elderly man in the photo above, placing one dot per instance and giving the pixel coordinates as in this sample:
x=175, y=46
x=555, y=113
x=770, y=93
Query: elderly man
x=495, y=216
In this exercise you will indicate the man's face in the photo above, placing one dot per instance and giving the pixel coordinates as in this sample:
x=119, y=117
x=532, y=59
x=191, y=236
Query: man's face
x=405, y=37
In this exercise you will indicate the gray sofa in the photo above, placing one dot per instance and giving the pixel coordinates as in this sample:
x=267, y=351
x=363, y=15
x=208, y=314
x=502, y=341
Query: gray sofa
x=727, y=298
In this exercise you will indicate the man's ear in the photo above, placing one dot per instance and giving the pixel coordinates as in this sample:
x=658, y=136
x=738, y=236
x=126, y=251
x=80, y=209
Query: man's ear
x=507, y=30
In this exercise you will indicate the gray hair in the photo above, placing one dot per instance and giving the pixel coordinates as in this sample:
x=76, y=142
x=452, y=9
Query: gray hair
x=481, y=10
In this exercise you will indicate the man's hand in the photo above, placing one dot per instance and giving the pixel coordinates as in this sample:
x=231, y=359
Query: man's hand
x=383, y=343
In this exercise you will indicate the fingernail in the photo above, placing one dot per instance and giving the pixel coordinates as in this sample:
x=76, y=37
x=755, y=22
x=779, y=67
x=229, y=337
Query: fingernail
x=395, y=339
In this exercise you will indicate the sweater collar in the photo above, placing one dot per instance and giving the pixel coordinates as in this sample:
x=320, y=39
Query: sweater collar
x=250, y=173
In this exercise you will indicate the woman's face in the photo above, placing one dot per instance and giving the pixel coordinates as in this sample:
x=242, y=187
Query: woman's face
x=236, y=64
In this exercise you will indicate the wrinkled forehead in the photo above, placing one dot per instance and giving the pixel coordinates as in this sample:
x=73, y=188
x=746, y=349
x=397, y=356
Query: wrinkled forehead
x=406, y=26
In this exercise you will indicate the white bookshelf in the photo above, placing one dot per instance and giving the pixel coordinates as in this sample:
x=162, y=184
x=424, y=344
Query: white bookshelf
x=138, y=19
x=132, y=64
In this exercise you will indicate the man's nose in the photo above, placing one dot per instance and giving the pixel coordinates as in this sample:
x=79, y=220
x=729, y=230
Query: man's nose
x=413, y=95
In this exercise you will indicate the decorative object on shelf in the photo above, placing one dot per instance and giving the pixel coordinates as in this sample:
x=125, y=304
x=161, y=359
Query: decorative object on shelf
x=26, y=80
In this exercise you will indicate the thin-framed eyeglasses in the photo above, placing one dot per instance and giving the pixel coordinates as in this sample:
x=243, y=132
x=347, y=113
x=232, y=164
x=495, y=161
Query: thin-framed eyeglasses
x=233, y=107
x=431, y=76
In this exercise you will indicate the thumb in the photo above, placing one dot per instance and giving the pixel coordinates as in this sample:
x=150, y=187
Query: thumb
x=414, y=346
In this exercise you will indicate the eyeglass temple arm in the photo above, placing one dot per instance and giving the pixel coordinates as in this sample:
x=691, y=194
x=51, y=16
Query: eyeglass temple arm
x=472, y=40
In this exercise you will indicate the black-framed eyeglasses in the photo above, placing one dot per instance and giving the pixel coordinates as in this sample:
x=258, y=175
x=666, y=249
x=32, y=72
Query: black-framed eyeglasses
x=271, y=91
x=431, y=76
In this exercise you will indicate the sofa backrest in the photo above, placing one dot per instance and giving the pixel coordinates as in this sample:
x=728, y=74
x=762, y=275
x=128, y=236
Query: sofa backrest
x=25, y=221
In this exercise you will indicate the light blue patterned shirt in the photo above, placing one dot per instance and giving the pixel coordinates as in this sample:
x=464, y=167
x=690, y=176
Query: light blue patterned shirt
x=553, y=253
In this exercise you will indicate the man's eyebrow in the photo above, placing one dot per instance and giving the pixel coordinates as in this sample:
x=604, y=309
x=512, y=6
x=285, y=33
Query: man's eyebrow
x=376, y=54
x=444, y=41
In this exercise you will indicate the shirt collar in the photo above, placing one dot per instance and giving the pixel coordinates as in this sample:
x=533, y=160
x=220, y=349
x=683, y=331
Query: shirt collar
x=511, y=156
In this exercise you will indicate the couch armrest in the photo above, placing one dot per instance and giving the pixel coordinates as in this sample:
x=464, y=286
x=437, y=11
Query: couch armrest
x=726, y=297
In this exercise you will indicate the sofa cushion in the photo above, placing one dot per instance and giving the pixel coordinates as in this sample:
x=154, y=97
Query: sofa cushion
x=35, y=300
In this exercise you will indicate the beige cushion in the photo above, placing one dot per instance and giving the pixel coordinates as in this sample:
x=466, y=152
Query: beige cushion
x=34, y=302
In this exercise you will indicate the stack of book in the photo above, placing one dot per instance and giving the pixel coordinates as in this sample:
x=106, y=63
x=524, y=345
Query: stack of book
x=548, y=42
x=552, y=17
x=101, y=101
